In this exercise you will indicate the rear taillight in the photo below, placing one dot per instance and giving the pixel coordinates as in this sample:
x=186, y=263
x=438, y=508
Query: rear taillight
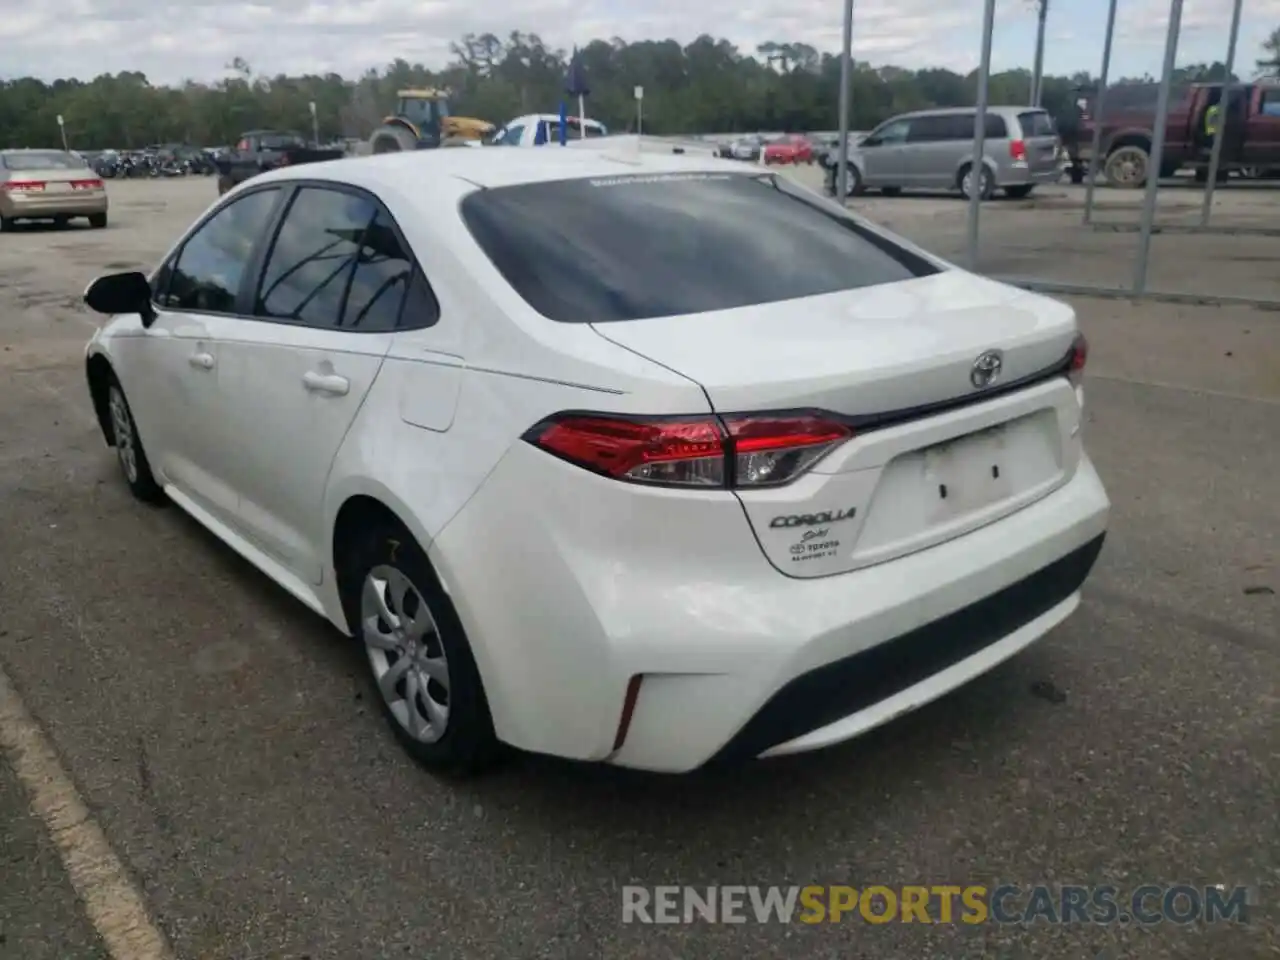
x=86, y=184
x=1017, y=150
x=730, y=452
x=23, y=186
x=1077, y=359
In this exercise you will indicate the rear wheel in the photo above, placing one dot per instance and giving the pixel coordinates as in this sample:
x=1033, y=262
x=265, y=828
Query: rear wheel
x=392, y=138
x=422, y=668
x=986, y=184
x=97, y=220
x=6, y=223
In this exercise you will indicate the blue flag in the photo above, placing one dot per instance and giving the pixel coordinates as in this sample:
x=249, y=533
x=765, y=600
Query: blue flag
x=575, y=81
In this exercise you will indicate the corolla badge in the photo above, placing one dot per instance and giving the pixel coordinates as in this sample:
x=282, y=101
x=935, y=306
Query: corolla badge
x=986, y=369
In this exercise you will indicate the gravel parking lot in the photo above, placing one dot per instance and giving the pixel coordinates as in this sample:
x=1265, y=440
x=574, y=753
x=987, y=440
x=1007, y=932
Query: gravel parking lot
x=223, y=739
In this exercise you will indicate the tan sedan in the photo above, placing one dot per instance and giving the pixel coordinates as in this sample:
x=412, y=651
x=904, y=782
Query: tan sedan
x=49, y=185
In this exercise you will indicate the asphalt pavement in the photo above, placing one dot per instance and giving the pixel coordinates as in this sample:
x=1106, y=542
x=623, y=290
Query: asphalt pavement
x=227, y=743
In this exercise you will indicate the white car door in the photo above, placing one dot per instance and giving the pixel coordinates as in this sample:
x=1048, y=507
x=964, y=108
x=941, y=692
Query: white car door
x=295, y=375
x=175, y=384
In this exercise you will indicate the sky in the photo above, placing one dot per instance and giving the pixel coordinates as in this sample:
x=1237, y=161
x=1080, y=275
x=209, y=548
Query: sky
x=197, y=39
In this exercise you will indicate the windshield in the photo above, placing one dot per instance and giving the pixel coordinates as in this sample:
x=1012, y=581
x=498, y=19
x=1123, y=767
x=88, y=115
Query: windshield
x=41, y=160
x=637, y=246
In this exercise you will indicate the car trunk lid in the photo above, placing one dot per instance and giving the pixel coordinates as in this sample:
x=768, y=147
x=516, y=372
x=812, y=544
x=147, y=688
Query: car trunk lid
x=932, y=454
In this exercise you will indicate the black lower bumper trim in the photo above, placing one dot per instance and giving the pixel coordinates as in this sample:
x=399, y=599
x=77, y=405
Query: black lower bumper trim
x=836, y=690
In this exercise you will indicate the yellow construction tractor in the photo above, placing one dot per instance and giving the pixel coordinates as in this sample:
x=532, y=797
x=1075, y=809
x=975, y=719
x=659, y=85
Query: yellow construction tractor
x=422, y=122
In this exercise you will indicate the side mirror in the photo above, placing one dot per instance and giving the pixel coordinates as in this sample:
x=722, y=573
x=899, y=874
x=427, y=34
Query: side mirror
x=869, y=142
x=122, y=293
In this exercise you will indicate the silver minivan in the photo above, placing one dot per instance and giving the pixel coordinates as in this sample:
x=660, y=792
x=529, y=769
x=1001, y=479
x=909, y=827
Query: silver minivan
x=933, y=150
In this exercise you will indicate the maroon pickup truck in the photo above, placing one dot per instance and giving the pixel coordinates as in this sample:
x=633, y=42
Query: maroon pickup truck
x=1252, y=138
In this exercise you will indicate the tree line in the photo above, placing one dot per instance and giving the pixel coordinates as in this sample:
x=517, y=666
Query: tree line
x=704, y=86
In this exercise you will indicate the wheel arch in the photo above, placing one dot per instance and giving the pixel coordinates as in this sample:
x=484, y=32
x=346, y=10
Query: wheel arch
x=99, y=374
x=360, y=510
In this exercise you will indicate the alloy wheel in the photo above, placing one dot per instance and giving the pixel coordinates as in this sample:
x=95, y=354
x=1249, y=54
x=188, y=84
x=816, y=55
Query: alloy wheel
x=408, y=660
x=122, y=429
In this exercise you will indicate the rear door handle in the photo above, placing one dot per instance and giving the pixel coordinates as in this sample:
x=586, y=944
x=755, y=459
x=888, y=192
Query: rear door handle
x=202, y=360
x=329, y=383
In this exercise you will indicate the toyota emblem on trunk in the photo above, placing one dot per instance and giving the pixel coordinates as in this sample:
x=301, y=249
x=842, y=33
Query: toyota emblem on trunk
x=986, y=369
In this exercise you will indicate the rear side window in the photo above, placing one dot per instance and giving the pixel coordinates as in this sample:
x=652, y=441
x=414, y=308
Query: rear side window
x=632, y=247
x=309, y=268
x=1037, y=123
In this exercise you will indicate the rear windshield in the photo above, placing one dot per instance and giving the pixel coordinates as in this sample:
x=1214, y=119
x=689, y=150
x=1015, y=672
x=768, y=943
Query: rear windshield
x=41, y=160
x=634, y=247
x=1037, y=123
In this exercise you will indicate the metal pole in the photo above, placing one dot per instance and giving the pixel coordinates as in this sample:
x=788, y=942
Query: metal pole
x=979, y=167
x=1098, y=107
x=846, y=75
x=1157, y=147
x=1215, y=158
x=1037, y=76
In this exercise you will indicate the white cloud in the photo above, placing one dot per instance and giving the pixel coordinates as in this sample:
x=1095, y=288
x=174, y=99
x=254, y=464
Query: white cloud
x=170, y=40
x=174, y=39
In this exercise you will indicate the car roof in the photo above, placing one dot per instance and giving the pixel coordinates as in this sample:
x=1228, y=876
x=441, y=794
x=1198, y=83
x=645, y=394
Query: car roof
x=487, y=167
x=964, y=111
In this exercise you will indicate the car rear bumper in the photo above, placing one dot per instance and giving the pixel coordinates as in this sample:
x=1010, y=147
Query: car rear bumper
x=1026, y=176
x=84, y=203
x=571, y=595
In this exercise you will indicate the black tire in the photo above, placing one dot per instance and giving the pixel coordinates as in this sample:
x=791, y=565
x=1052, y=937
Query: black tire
x=98, y=221
x=130, y=453
x=987, y=184
x=1020, y=192
x=392, y=138
x=468, y=744
x=6, y=223
x=1127, y=166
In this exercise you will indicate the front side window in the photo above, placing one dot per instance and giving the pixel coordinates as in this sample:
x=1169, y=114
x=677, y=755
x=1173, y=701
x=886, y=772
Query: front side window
x=663, y=245
x=512, y=137
x=209, y=269
x=310, y=266
x=895, y=132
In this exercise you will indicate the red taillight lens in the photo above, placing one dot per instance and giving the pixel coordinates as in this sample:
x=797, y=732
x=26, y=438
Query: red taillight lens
x=1017, y=149
x=1078, y=358
x=23, y=186
x=738, y=452
x=86, y=184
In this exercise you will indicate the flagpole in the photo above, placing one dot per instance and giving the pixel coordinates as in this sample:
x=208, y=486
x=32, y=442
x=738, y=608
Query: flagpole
x=582, y=117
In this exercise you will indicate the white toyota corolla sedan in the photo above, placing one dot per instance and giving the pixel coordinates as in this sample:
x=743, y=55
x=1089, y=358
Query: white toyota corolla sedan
x=645, y=459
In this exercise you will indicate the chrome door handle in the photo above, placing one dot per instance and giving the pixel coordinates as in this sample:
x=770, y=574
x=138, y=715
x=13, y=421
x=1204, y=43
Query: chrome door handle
x=202, y=360
x=326, y=383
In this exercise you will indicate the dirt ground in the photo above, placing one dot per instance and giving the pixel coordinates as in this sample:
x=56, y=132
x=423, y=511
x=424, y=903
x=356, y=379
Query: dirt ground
x=222, y=737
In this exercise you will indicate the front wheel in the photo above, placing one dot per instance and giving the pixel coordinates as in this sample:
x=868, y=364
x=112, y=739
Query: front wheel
x=1127, y=167
x=133, y=458
x=421, y=663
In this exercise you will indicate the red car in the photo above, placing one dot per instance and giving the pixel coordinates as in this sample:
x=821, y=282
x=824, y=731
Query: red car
x=789, y=150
